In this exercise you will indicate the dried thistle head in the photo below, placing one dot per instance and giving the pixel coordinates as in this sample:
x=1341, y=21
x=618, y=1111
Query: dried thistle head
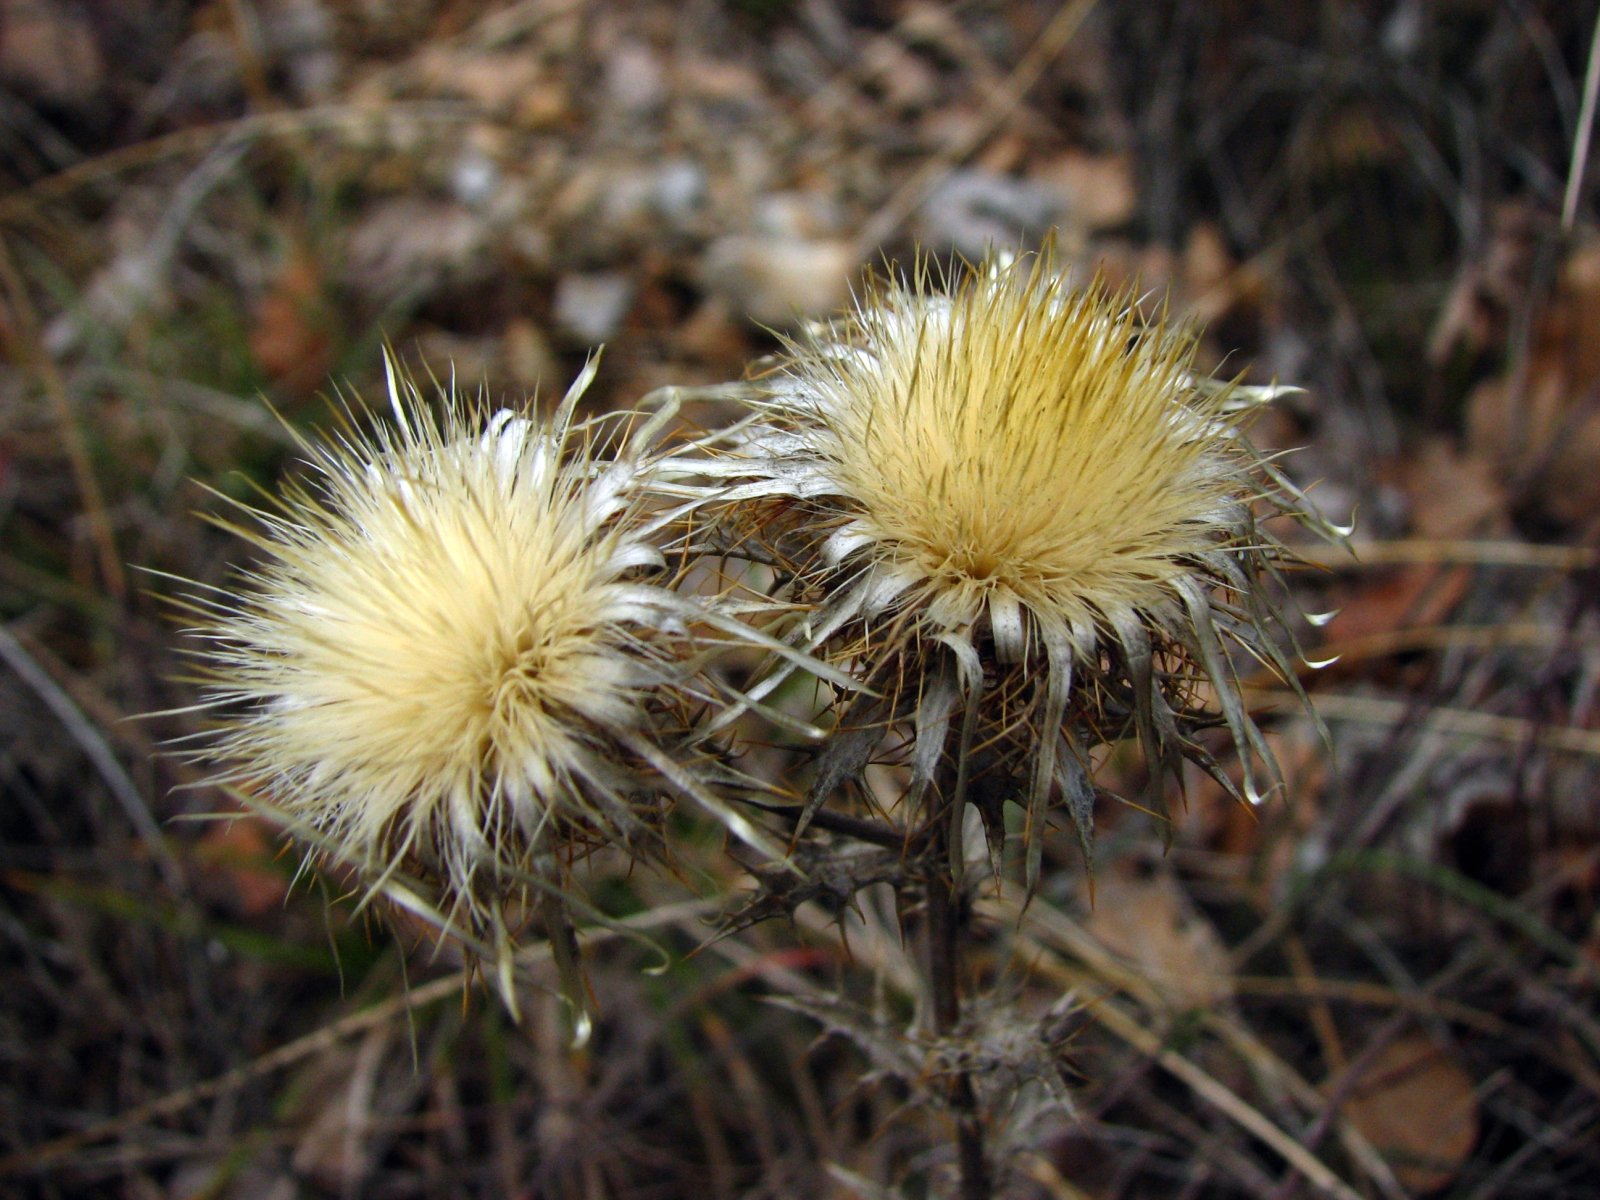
x=462, y=661
x=1024, y=521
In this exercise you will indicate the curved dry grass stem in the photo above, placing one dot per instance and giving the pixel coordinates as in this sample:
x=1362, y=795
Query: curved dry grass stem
x=1441, y=721
x=1582, y=138
x=1359, y=554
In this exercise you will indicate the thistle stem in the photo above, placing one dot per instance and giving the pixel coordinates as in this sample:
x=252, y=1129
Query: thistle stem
x=946, y=937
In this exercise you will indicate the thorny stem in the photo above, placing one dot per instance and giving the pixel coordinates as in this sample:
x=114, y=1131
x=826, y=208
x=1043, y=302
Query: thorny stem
x=876, y=833
x=946, y=933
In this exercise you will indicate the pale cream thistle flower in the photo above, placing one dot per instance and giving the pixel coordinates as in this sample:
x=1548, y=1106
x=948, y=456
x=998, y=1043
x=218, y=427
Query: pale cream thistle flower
x=1018, y=512
x=462, y=662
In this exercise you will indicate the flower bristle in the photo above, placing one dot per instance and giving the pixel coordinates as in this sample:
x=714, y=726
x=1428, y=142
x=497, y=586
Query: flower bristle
x=1009, y=444
x=1022, y=517
x=457, y=636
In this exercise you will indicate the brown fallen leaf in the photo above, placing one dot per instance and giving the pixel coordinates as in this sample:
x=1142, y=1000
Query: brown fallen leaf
x=1413, y=595
x=1151, y=923
x=1213, y=284
x=48, y=49
x=241, y=867
x=1418, y=1109
x=1453, y=494
x=1100, y=190
x=292, y=338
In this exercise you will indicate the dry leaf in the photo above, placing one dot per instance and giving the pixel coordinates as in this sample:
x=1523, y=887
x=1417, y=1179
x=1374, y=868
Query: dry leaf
x=48, y=49
x=1212, y=283
x=779, y=280
x=1100, y=189
x=239, y=857
x=1152, y=924
x=1415, y=595
x=495, y=82
x=907, y=82
x=411, y=246
x=1452, y=494
x=291, y=338
x=1418, y=1109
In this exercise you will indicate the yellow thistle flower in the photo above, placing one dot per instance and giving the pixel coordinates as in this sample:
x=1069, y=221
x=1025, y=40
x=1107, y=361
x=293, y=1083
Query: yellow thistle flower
x=462, y=661
x=1016, y=504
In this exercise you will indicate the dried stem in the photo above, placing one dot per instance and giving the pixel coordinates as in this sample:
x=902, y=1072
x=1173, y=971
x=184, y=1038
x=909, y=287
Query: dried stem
x=946, y=938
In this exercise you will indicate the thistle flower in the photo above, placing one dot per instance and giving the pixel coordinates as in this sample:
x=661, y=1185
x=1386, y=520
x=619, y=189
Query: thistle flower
x=462, y=661
x=1024, y=521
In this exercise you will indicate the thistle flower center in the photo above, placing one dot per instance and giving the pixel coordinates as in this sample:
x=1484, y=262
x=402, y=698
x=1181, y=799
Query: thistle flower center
x=1018, y=437
x=516, y=683
x=975, y=563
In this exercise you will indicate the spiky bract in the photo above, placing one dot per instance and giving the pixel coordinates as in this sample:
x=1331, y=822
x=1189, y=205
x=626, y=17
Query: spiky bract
x=1023, y=518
